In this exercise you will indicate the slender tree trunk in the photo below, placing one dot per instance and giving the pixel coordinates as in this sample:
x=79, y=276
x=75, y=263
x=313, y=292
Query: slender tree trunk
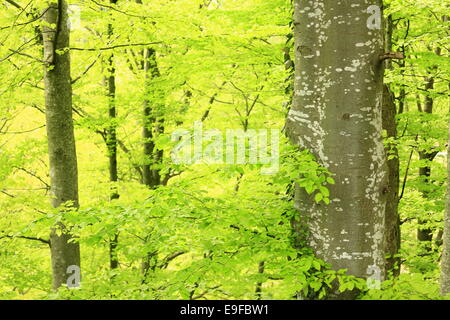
x=392, y=217
x=337, y=115
x=402, y=64
x=425, y=234
x=61, y=140
x=419, y=103
x=389, y=113
x=402, y=97
x=388, y=40
x=445, y=260
x=152, y=125
x=111, y=142
x=258, y=290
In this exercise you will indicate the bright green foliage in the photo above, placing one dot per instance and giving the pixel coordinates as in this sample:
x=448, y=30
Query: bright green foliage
x=209, y=229
x=421, y=33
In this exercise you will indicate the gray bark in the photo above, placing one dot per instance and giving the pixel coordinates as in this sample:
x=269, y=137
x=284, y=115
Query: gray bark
x=337, y=115
x=60, y=133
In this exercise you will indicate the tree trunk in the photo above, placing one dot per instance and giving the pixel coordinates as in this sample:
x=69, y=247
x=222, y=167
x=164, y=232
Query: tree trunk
x=61, y=140
x=392, y=217
x=425, y=234
x=337, y=115
x=111, y=142
x=389, y=113
x=445, y=260
x=152, y=126
x=151, y=129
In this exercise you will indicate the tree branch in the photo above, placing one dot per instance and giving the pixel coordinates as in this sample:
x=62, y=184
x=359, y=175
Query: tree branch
x=392, y=55
x=27, y=238
x=117, y=46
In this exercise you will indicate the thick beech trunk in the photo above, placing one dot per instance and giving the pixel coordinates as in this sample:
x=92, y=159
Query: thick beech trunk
x=337, y=115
